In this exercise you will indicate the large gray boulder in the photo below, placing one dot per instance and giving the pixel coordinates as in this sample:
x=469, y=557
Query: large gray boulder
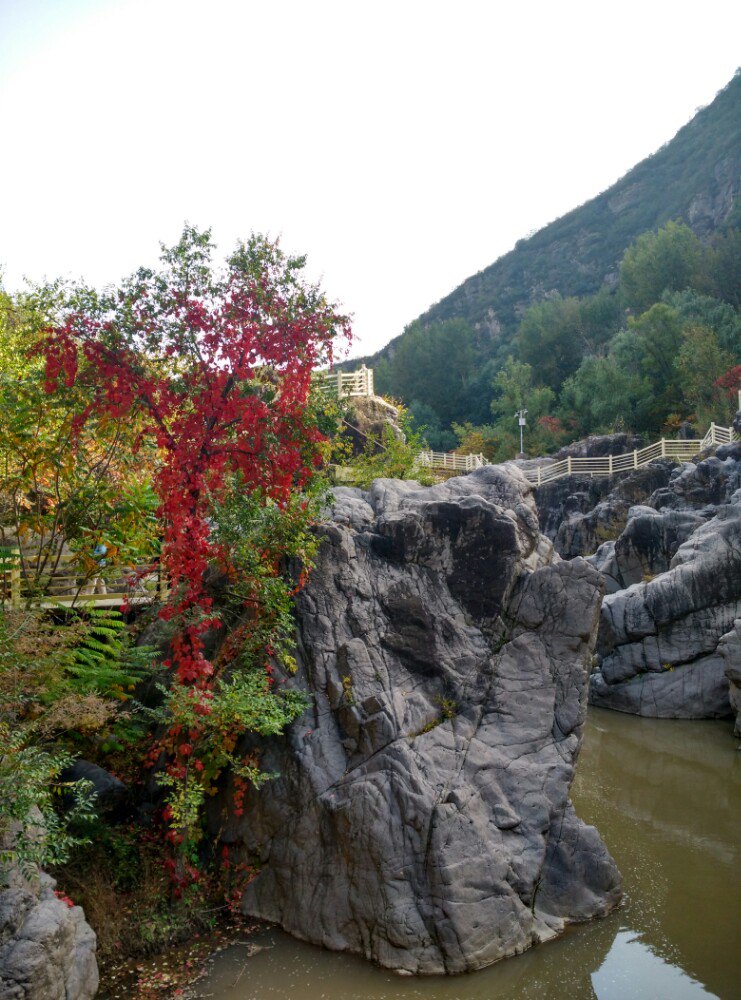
x=645, y=547
x=580, y=513
x=710, y=482
x=422, y=814
x=47, y=949
x=659, y=640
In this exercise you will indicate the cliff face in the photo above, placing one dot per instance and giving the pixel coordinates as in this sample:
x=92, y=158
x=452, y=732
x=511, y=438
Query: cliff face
x=668, y=544
x=422, y=814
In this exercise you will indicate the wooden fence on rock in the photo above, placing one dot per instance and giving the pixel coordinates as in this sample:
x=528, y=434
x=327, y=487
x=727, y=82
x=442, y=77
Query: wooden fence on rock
x=357, y=383
x=608, y=465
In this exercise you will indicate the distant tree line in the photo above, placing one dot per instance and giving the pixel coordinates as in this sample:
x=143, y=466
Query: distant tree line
x=661, y=348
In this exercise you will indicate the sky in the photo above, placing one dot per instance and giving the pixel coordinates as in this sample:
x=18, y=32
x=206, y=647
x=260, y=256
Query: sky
x=402, y=146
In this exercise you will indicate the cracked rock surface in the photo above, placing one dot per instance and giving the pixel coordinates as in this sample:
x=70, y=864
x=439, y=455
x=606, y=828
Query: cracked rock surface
x=667, y=541
x=660, y=640
x=422, y=814
x=47, y=949
x=668, y=642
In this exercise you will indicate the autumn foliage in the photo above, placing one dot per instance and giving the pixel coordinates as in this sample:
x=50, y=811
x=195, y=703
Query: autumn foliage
x=214, y=368
x=220, y=368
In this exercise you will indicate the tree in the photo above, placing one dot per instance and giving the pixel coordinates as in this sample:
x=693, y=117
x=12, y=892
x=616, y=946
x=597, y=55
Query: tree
x=603, y=396
x=715, y=314
x=725, y=262
x=425, y=422
x=514, y=389
x=65, y=477
x=701, y=362
x=649, y=347
x=217, y=366
x=432, y=365
x=555, y=335
x=671, y=259
x=482, y=439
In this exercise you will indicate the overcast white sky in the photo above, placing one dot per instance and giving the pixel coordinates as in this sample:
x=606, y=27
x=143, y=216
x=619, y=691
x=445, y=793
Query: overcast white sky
x=403, y=146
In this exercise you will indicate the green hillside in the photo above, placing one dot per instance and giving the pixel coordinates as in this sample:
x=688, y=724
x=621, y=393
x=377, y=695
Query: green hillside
x=693, y=178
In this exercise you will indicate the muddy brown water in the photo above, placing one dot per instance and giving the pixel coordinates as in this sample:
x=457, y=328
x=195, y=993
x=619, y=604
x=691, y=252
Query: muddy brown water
x=665, y=797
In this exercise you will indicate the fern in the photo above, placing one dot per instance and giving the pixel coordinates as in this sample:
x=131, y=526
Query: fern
x=104, y=661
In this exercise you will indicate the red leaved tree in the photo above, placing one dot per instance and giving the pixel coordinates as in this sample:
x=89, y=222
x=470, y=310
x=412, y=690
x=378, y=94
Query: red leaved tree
x=218, y=365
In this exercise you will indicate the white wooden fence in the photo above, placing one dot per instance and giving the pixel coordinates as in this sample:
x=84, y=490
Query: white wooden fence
x=683, y=451
x=450, y=460
x=357, y=383
x=607, y=466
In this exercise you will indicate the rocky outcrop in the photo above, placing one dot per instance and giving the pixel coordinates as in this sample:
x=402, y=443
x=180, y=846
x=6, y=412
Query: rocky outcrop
x=368, y=420
x=109, y=792
x=667, y=541
x=645, y=547
x=580, y=513
x=729, y=650
x=600, y=445
x=422, y=815
x=710, y=482
x=47, y=950
x=668, y=646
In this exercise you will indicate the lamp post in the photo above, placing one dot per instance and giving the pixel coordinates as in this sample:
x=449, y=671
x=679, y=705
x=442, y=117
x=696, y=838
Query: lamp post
x=520, y=415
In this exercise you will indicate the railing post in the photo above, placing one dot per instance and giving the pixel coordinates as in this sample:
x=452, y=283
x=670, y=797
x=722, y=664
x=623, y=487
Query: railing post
x=663, y=448
x=369, y=382
x=339, y=385
x=569, y=464
x=538, y=475
x=635, y=458
x=15, y=579
x=609, y=465
x=712, y=432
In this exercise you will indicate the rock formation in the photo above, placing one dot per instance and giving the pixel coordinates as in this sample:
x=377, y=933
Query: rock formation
x=668, y=646
x=580, y=513
x=367, y=420
x=658, y=643
x=422, y=815
x=47, y=950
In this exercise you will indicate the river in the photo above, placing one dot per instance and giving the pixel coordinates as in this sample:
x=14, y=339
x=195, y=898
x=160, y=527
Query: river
x=665, y=797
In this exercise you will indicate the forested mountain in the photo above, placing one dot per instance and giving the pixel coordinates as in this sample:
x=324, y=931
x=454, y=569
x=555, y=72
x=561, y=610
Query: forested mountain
x=445, y=363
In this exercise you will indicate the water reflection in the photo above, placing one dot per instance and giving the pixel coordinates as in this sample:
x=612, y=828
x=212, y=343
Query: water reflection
x=632, y=970
x=665, y=797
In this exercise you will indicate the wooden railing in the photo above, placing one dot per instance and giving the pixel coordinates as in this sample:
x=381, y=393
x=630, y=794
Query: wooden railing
x=61, y=581
x=717, y=435
x=683, y=451
x=357, y=383
x=450, y=460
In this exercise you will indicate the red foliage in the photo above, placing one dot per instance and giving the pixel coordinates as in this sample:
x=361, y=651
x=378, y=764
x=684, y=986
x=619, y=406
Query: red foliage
x=730, y=381
x=551, y=424
x=219, y=371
